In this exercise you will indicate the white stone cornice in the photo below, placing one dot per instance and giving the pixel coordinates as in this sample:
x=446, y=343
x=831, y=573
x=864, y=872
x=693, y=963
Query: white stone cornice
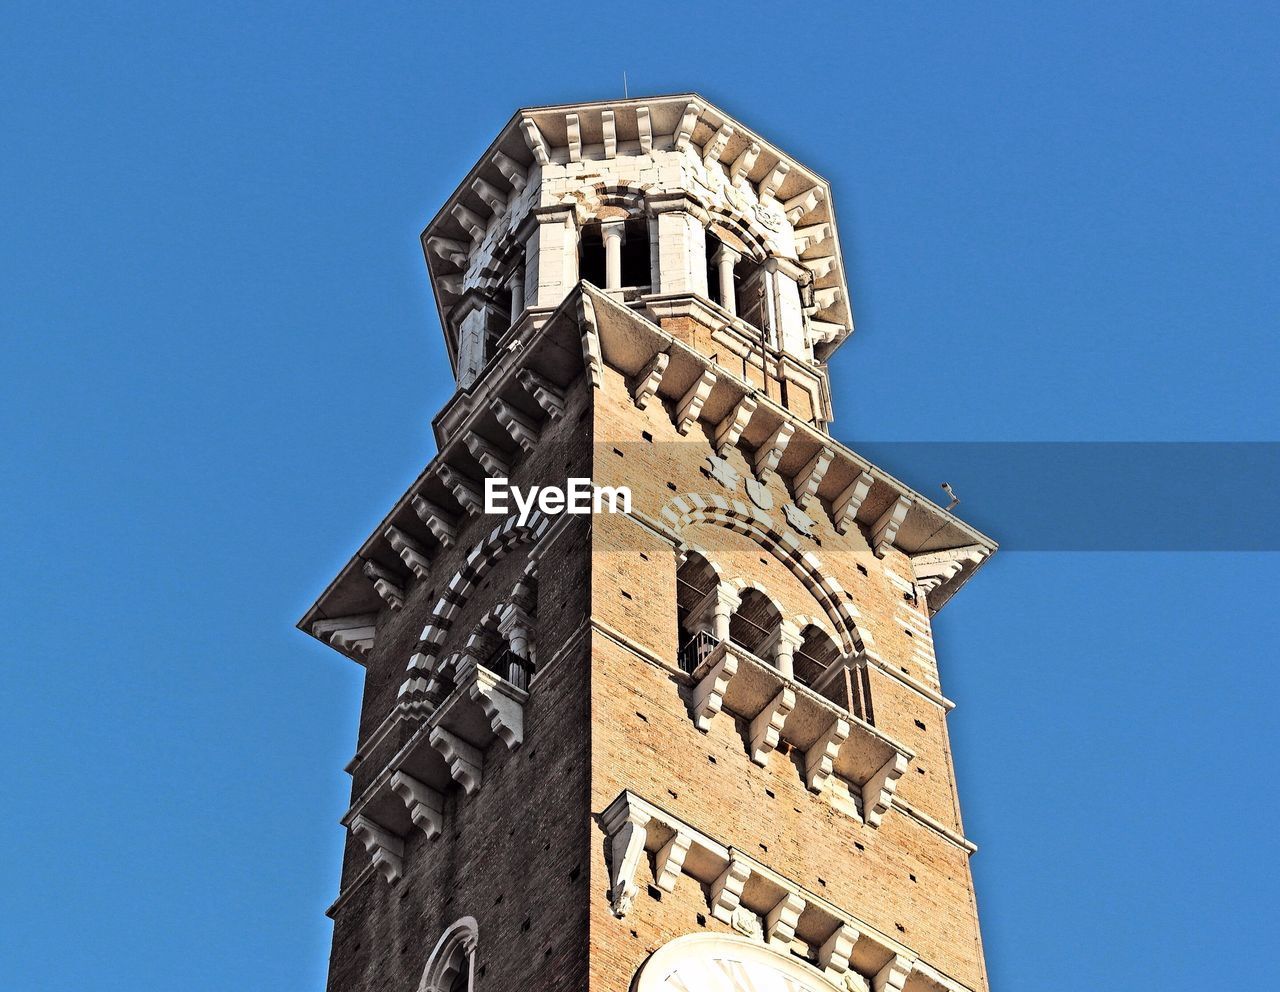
x=464, y=760
x=844, y=508
x=536, y=142
x=688, y=121
x=425, y=804
x=805, y=203
x=521, y=427
x=592, y=357
x=730, y=429
x=410, y=551
x=453, y=252
x=384, y=848
x=352, y=635
x=808, y=479
x=690, y=406
x=386, y=584
x=494, y=461
x=885, y=530
x=540, y=388
x=649, y=379
x=441, y=523
x=770, y=453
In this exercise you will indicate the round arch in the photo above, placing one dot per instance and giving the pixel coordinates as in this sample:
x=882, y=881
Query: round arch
x=702, y=960
x=454, y=954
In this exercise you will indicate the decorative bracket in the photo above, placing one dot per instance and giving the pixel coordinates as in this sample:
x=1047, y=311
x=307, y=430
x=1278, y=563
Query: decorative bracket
x=819, y=760
x=650, y=377
x=886, y=528
x=806, y=483
x=385, y=849
x=426, y=805
x=726, y=890
x=878, y=792
x=386, y=584
x=766, y=728
x=464, y=760
x=690, y=406
x=540, y=388
x=708, y=693
x=625, y=823
x=502, y=703
x=770, y=453
x=522, y=430
x=491, y=459
x=730, y=429
x=441, y=523
x=845, y=507
x=834, y=954
x=409, y=550
x=780, y=922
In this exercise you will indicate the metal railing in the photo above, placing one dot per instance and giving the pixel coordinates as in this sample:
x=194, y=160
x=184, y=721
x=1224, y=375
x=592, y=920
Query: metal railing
x=512, y=667
x=696, y=650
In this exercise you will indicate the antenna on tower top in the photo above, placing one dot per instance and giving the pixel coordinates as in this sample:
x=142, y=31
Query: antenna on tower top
x=625, y=94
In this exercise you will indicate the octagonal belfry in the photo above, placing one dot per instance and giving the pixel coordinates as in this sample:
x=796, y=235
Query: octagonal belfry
x=669, y=205
x=694, y=740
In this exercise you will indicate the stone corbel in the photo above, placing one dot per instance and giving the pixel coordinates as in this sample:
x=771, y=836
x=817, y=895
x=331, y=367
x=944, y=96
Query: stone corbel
x=521, y=428
x=834, y=954
x=798, y=206
x=877, y=794
x=893, y=976
x=511, y=171
x=410, y=551
x=491, y=459
x=425, y=804
x=610, y=132
x=536, y=142
x=453, y=252
x=352, y=635
x=471, y=221
x=463, y=489
x=715, y=147
x=813, y=236
x=540, y=388
x=626, y=826
x=844, y=508
x=592, y=357
x=573, y=135
x=668, y=863
x=689, y=120
x=825, y=299
x=503, y=705
x=644, y=130
x=770, y=453
x=725, y=892
x=769, y=185
x=386, y=584
x=766, y=728
x=819, y=760
x=690, y=406
x=780, y=922
x=648, y=380
x=385, y=849
x=708, y=694
x=491, y=195
x=464, y=760
x=744, y=163
x=441, y=523
x=885, y=530
x=729, y=430
x=806, y=483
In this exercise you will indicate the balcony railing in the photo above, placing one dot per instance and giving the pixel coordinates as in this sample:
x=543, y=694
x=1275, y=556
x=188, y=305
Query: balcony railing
x=696, y=650
x=512, y=667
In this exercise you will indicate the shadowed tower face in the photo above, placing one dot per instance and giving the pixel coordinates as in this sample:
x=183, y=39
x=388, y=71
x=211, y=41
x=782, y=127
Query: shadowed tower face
x=696, y=739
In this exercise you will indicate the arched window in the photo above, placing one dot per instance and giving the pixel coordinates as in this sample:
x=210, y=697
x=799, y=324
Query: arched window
x=629, y=239
x=755, y=622
x=696, y=583
x=452, y=965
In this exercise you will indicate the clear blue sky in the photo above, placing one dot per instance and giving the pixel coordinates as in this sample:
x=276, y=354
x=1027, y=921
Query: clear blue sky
x=221, y=358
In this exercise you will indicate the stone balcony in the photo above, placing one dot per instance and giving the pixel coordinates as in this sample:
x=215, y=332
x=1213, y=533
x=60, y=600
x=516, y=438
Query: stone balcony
x=784, y=714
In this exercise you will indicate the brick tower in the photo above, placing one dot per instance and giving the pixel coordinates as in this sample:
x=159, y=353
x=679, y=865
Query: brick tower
x=694, y=741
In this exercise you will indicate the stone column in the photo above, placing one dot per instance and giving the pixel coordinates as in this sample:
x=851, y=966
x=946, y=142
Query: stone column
x=614, y=234
x=516, y=285
x=682, y=244
x=786, y=643
x=470, y=315
x=726, y=258
x=551, y=256
x=516, y=626
x=786, y=313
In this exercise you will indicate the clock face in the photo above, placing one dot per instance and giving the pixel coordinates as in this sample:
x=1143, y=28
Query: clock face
x=718, y=963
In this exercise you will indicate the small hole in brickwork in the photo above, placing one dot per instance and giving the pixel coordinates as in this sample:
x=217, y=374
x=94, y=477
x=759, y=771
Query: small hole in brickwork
x=816, y=540
x=912, y=877
x=672, y=794
x=625, y=594
x=711, y=758
x=655, y=892
x=483, y=969
x=547, y=846
x=909, y=597
x=770, y=794
x=405, y=949
x=547, y=953
x=671, y=486
x=796, y=808
x=764, y=561
x=920, y=724
x=900, y=927
x=702, y=920
x=644, y=556
x=764, y=847
x=903, y=670
x=822, y=882
x=618, y=453
x=635, y=935
x=647, y=436
x=858, y=846
x=642, y=716
x=920, y=770
x=909, y=633
x=573, y=875
x=524, y=927
x=498, y=901
x=862, y=569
